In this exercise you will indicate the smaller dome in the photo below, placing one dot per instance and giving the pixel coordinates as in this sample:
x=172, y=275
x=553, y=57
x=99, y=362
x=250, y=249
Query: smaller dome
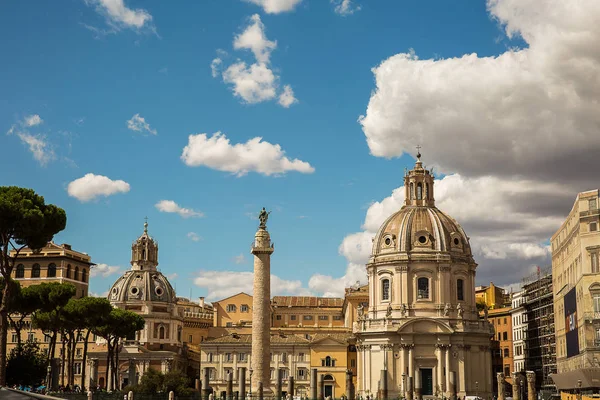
x=142, y=286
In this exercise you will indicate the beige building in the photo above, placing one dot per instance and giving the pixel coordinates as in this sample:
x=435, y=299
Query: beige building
x=422, y=324
x=576, y=282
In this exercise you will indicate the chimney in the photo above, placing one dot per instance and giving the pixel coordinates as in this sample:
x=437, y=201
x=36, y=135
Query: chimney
x=201, y=302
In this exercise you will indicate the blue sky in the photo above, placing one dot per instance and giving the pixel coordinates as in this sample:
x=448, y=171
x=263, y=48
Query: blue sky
x=86, y=68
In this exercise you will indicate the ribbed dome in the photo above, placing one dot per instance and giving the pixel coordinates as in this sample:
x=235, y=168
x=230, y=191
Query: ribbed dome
x=421, y=229
x=142, y=286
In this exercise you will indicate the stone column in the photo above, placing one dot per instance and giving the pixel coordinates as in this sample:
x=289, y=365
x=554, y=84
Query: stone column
x=349, y=391
x=452, y=385
x=229, y=388
x=500, y=378
x=531, y=394
x=290, y=386
x=384, y=384
x=205, y=384
x=411, y=371
x=448, y=386
x=402, y=359
x=439, y=349
x=515, y=386
x=409, y=388
x=261, y=306
x=322, y=387
x=313, y=384
x=461, y=382
x=279, y=383
x=242, y=382
x=418, y=385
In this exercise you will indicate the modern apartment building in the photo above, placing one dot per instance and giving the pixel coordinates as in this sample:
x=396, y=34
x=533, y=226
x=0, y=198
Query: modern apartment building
x=519, y=331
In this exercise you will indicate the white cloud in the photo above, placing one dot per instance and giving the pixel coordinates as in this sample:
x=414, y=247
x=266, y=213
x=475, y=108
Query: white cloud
x=222, y=284
x=286, y=98
x=240, y=259
x=94, y=294
x=139, y=124
x=169, y=206
x=104, y=270
x=194, y=237
x=215, y=67
x=344, y=7
x=172, y=276
x=527, y=112
x=254, y=84
x=38, y=146
x=253, y=38
x=218, y=153
x=276, y=6
x=119, y=16
x=32, y=120
x=91, y=186
x=329, y=286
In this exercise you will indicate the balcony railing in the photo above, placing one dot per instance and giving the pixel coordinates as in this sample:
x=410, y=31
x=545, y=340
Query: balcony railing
x=592, y=316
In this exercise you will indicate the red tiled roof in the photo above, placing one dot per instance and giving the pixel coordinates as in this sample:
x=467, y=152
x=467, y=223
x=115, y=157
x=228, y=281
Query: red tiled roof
x=307, y=301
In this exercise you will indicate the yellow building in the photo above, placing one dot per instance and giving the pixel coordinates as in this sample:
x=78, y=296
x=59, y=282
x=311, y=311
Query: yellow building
x=576, y=283
x=53, y=263
x=492, y=296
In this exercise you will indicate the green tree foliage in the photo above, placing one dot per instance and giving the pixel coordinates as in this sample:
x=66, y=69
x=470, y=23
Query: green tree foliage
x=25, y=221
x=24, y=302
x=26, y=365
x=155, y=382
x=119, y=324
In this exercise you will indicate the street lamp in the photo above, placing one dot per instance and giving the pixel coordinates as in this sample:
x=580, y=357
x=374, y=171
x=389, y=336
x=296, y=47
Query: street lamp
x=403, y=384
x=476, y=389
x=579, y=389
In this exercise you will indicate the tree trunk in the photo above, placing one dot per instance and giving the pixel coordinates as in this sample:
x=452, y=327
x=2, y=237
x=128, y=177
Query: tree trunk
x=84, y=361
x=116, y=352
x=108, y=359
x=3, y=333
x=62, y=367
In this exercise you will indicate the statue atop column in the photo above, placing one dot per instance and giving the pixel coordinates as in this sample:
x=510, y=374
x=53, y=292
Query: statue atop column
x=263, y=216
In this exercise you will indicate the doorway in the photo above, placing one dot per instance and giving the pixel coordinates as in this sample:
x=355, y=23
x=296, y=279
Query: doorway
x=427, y=381
x=328, y=391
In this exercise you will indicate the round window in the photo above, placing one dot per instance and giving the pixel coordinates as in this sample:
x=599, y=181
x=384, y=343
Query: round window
x=422, y=239
x=115, y=290
x=138, y=277
x=159, y=291
x=456, y=241
x=134, y=290
x=388, y=241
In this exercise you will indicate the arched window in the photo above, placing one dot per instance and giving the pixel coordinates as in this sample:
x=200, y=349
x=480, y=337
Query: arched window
x=460, y=290
x=144, y=254
x=51, y=270
x=83, y=275
x=423, y=288
x=412, y=191
x=69, y=271
x=35, y=271
x=328, y=362
x=161, y=332
x=20, y=271
x=419, y=191
x=385, y=289
x=76, y=274
x=427, y=191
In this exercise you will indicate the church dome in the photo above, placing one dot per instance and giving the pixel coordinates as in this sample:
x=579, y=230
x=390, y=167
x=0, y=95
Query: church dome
x=142, y=286
x=419, y=226
x=143, y=282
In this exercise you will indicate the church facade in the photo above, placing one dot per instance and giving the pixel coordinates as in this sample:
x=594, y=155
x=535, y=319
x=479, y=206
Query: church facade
x=420, y=335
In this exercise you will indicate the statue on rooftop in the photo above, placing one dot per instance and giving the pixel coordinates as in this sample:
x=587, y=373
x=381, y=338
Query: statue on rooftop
x=263, y=216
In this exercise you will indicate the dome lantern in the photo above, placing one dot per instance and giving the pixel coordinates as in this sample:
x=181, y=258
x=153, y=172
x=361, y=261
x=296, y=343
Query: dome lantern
x=144, y=252
x=418, y=184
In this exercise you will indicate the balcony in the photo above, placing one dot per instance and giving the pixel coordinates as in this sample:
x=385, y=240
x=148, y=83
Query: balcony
x=591, y=316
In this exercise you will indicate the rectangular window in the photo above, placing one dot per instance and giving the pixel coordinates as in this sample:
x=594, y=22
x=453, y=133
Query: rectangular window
x=323, y=317
x=506, y=370
x=77, y=368
x=385, y=289
x=293, y=317
x=284, y=357
x=352, y=363
x=285, y=373
x=460, y=294
x=229, y=324
x=423, y=288
x=300, y=356
x=78, y=352
x=593, y=227
x=301, y=373
x=14, y=338
x=597, y=305
x=241, y=356
x=504, y=336
x=594, y=260
x=47, y=338
x=231, y=307
x=337, y=317
x=30, y=337
x=499, y=336
x=307, y=317
x=209, y=357
x=278, y=317
x=212, y=374
x=592, y=203
x=228, y=357
x=190, y=339
x=244, y=308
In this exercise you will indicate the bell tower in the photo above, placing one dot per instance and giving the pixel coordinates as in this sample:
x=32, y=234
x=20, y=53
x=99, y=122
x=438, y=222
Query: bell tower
x=418, y=185
x=144, y=252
